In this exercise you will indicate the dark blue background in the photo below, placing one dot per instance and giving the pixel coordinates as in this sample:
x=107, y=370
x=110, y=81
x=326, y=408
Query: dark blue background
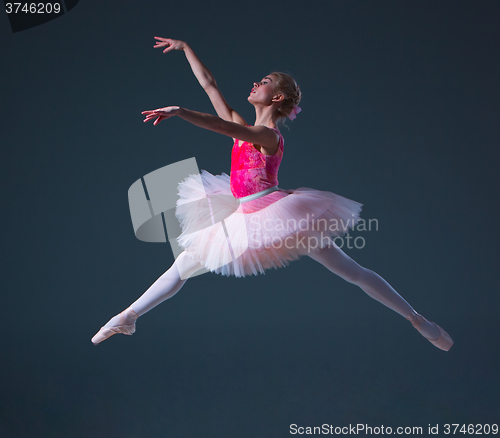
x=400, y=112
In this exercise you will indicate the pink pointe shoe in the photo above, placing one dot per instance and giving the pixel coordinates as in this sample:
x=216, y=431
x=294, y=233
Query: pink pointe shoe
x=444, y=342
x=125, y=325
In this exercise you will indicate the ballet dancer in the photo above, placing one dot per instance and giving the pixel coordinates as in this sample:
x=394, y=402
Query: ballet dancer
x=267, y=227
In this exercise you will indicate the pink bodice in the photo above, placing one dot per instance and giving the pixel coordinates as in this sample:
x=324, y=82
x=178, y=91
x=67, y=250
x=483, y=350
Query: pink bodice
x=251, y=170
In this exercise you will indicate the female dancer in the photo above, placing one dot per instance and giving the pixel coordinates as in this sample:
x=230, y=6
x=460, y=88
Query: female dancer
x=262, y=225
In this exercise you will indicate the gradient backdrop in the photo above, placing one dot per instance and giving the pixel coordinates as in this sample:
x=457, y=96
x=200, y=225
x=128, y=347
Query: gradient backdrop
x=400, y=112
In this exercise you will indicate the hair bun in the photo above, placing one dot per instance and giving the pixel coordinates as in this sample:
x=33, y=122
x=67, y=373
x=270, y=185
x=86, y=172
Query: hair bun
x=287, y=86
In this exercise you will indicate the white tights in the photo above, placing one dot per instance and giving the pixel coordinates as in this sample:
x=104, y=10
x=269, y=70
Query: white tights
x=338, y=262
x=332, y=257
x=167, y=285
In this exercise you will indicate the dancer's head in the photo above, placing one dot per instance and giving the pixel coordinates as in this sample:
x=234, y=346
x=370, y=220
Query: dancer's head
x=279, y=91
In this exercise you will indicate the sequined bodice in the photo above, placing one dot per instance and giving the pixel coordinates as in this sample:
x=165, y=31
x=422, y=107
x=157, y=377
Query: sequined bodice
x=251, y=170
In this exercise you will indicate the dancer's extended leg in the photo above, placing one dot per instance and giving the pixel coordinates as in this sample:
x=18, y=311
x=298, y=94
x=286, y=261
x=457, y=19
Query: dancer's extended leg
x=338, y=262
x=165, y=287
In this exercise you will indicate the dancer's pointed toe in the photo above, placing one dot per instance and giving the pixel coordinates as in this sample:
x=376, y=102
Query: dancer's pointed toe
x=443, y=341
x=107, y=332
x=123, y=323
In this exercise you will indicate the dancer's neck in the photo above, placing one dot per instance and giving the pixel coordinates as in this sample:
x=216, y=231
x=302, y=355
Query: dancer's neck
x=265, y=116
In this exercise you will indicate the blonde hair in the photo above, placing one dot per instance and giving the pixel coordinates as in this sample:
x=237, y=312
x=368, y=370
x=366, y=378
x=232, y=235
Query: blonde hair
x=286, y=85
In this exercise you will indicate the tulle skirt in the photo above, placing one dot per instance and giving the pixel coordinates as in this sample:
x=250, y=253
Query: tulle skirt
x=231, y=237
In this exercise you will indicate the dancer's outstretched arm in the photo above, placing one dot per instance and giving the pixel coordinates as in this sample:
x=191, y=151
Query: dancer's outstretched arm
x=261, y=135
x=205, y=78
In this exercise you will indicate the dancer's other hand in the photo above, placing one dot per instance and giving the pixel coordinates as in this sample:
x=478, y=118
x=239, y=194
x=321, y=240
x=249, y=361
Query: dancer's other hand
x=161, y=114
x=170, y=44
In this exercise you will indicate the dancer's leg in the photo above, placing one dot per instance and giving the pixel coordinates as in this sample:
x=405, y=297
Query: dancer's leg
x=165, y=287
x=338, y=262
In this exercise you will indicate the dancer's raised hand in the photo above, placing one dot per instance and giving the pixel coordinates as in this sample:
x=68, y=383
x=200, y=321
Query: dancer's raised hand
x=169, y=44
x=161, y=114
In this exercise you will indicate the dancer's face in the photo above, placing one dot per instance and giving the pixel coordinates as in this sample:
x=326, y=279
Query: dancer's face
x=263, y=92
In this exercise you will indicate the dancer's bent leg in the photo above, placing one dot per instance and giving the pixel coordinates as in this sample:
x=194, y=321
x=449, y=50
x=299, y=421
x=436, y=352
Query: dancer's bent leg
x=338, y=262
x=165, y=287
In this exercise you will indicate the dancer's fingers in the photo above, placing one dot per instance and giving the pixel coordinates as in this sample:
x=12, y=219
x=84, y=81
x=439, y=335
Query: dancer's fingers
x=162, y=112
x=159, y=119
x=162, y=42
x=150, y=117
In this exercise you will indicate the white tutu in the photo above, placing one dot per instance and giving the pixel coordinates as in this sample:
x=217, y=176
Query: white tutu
x=230, y=237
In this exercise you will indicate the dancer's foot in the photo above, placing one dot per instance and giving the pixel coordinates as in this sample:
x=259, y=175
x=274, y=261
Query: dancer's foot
x=121, y=323
x=431, y=331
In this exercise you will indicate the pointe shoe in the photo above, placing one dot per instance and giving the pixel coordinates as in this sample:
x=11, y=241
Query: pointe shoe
x=444, y=341
x=126, y=325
